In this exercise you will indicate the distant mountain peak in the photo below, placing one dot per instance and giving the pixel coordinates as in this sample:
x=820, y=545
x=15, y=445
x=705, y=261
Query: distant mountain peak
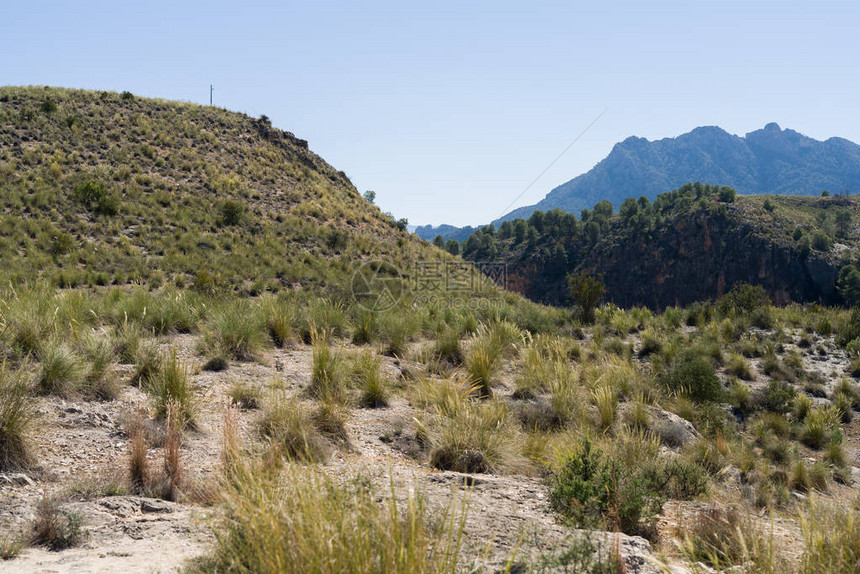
x=768, y=160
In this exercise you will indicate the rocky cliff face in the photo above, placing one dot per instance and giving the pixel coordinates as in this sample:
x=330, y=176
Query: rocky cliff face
x=701, y=258
x=685, y=249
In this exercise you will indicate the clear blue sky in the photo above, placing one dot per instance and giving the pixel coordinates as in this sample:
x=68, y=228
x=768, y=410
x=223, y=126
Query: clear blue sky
x=448, y=110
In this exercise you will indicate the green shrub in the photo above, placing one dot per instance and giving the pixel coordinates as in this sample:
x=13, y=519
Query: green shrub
x=97, y=198
x=581, y=554
x=55, y=528
x=776, y=397
x=743, y=299
x=48, y=106
x=695, y=377
x=821, y=241
x=586, y=291
x=232, y=212
x=592, y=490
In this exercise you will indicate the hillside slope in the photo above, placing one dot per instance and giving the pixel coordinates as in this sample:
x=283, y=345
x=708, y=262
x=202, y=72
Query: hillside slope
x=687, y=246
x=107, y=188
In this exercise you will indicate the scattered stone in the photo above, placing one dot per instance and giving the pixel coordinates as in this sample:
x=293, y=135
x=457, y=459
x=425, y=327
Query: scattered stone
x=16, y=479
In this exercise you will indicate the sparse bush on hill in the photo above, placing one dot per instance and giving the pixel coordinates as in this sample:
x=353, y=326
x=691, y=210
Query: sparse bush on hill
x=232, y=212
x=56, y=528
x=594, y=490
x=97, y=198
x=695, y=377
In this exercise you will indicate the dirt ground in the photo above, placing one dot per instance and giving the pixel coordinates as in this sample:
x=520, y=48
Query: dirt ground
x=81, y=443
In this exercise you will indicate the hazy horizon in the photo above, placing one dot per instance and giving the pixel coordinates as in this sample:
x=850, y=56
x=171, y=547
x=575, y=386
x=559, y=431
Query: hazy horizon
x=448, y=111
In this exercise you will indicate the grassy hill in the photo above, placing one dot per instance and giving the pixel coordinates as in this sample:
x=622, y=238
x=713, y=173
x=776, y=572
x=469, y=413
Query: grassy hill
x=106, y=188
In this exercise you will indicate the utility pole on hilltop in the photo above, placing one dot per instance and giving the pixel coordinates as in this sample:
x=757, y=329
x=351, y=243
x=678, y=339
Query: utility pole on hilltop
x=211, y=89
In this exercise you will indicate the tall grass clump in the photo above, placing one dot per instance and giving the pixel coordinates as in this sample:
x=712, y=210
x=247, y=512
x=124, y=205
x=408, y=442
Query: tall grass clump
x=831, y=534
x=723, y=538
x=482, y=364
x=170, y=385
x=606, y=401
x=17, y=417
x=148, y=362
x=818, y=427
x=62, y=371
x=236, y=331
x=447, y=346
x=327, y=371
x=371, y=382
x=280, y=315
x=98, y=382
x=290, y=430
x=396, y=328
x=303, y=521
x=473, y=437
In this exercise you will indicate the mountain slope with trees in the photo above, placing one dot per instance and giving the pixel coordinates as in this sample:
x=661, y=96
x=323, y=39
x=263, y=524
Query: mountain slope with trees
x=766, y=161
x=688, y=245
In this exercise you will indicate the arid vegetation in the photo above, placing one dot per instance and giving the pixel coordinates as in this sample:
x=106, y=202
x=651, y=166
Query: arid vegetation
x=204, y=358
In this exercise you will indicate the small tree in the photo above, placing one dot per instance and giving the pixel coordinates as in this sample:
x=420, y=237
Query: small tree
x=848, y=285
x=843, y=222
x=727, y=194
x=370, y=196
x=586, y=291
x=232, y=212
